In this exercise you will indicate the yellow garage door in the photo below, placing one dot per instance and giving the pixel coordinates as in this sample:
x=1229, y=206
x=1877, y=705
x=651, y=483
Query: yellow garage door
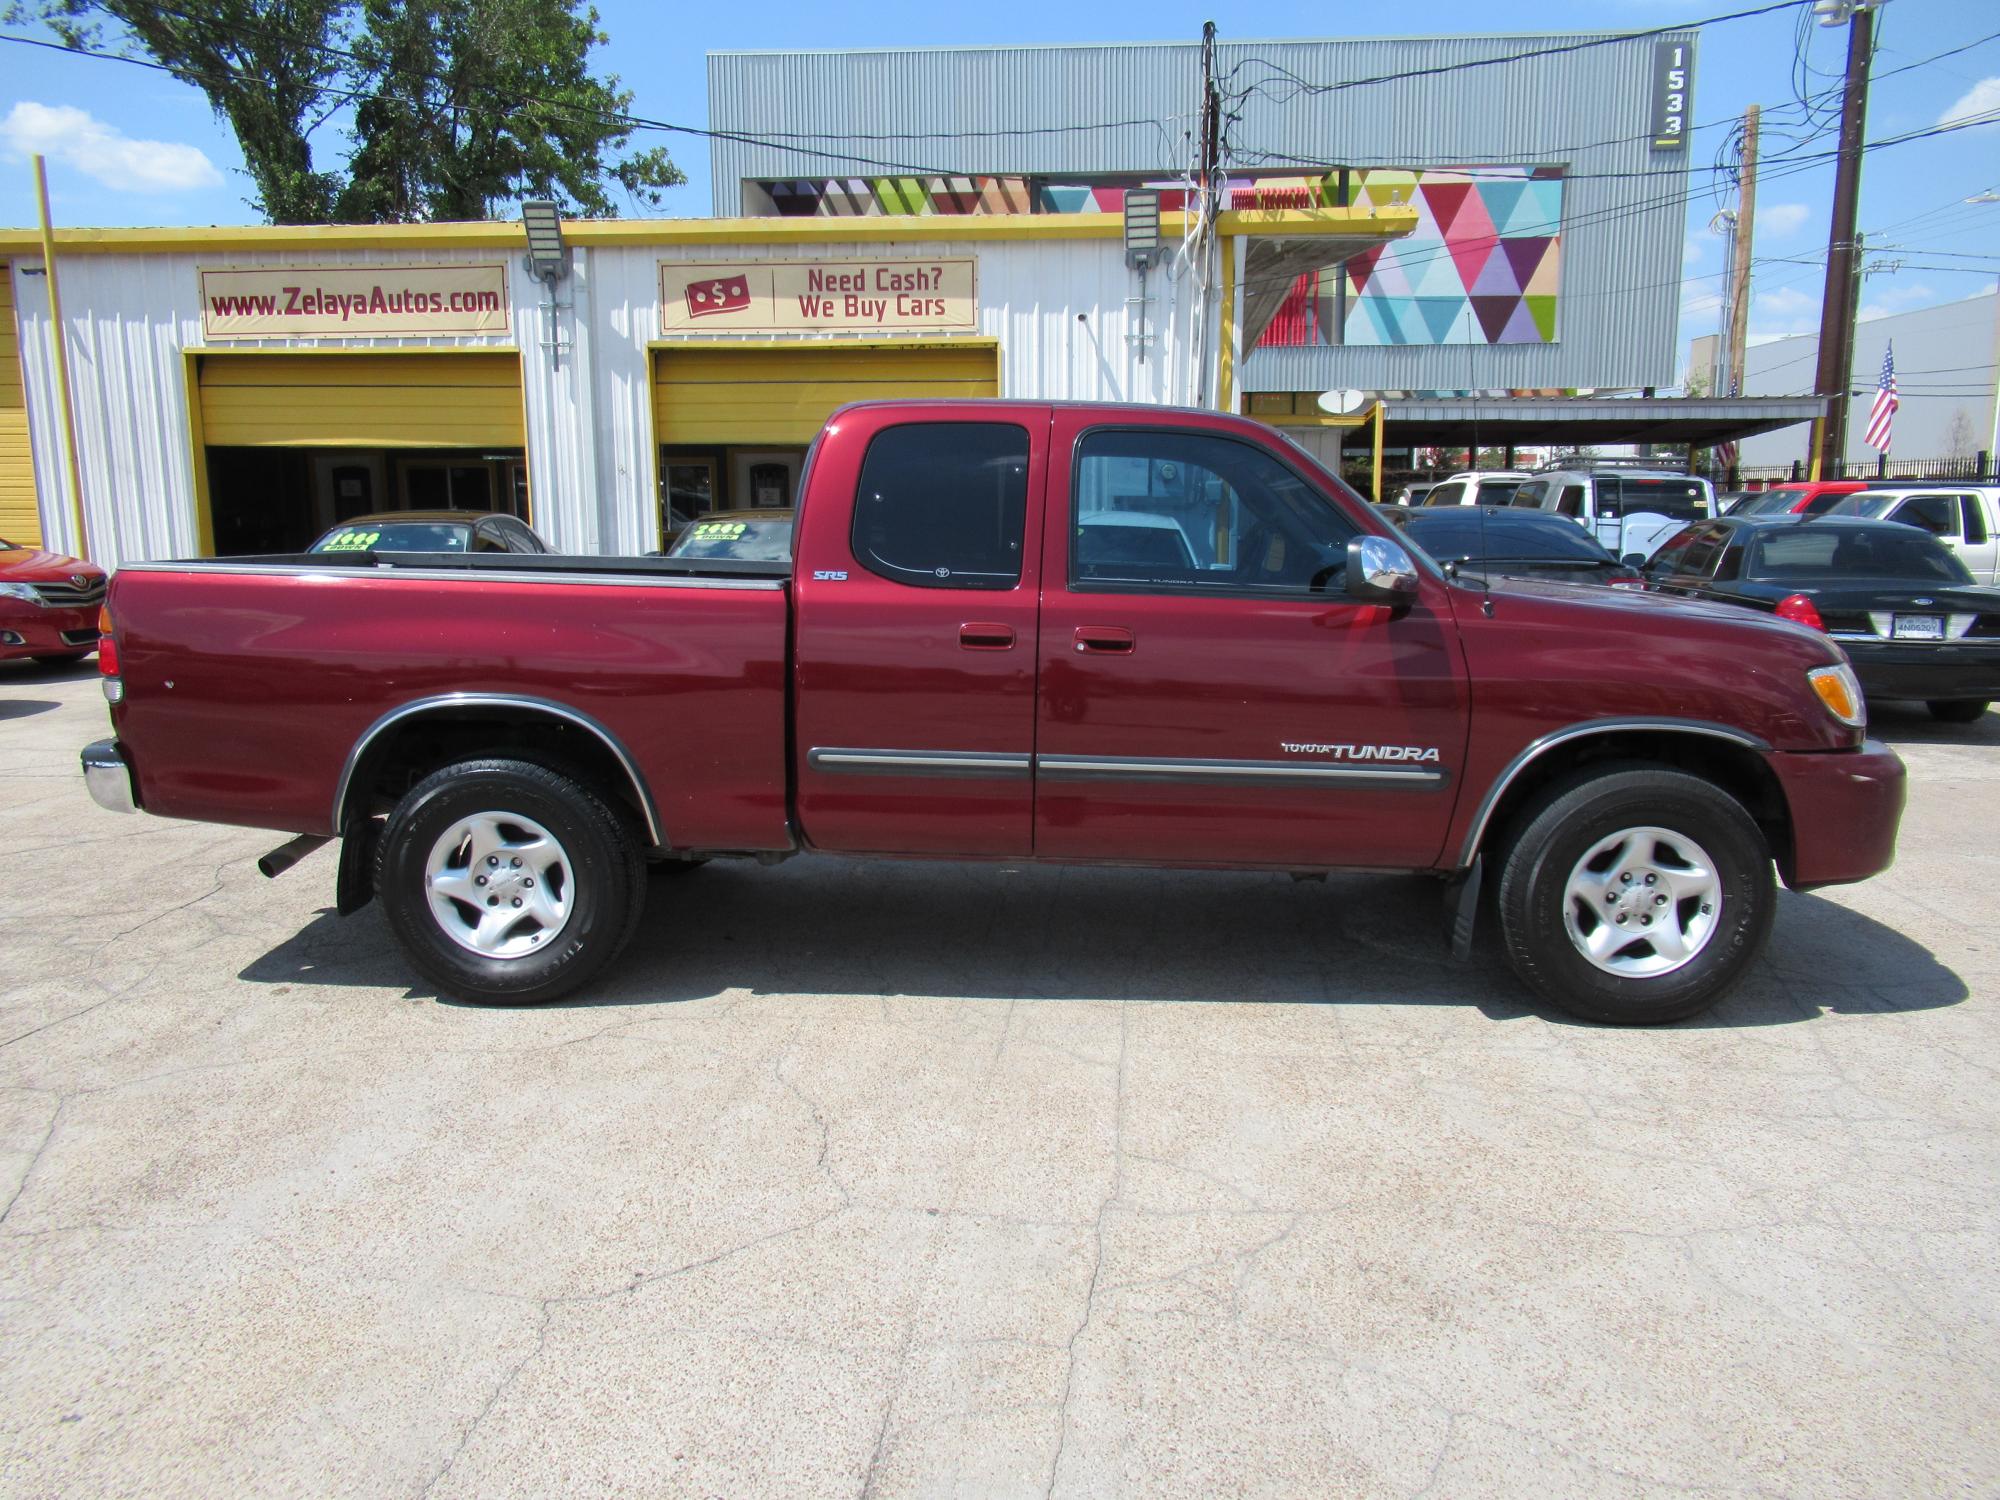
x=455, y=400
x=19, y=519
x=781, y=395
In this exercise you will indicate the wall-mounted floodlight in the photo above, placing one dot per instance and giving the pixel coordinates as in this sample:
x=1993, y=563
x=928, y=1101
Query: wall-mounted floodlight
x=1142, y=229
x=547, y=259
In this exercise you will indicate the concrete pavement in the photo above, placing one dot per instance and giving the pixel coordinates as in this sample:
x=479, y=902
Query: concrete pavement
x=899, y=1179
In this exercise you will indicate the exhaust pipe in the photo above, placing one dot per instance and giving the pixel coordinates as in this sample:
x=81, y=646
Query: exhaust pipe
x=285, y=856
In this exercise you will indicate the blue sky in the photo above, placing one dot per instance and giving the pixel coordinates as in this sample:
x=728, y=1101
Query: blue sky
x=128, y=146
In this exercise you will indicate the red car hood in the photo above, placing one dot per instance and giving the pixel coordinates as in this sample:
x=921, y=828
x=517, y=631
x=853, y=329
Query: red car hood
x=31, y=565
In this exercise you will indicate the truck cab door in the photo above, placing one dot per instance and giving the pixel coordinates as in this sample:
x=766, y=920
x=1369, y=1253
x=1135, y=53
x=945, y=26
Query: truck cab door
x=1978, y=547
x=1208, y=692
x=914, y=631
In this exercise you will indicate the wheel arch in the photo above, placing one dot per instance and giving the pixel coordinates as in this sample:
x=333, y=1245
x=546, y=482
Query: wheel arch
x=413, y=739
x=1731, y=758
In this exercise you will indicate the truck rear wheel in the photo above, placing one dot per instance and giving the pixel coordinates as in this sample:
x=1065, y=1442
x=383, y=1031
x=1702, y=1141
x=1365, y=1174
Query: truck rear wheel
x=1635, y=896
x=508, y=882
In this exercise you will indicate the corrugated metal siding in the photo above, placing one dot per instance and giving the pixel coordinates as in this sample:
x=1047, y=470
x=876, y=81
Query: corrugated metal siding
x=131, y=317
x=785, y=395
x=19, y=521
x=1589, y=110
x=468, y=400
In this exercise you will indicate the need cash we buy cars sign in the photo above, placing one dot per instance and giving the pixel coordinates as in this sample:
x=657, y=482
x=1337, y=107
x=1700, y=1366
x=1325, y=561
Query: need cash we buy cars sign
x=269, y=302
x=812, y=296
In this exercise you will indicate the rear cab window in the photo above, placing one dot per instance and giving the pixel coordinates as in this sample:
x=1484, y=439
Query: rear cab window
x=943, y=505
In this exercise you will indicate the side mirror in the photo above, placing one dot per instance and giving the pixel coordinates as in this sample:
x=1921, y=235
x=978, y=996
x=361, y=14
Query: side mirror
x=1380, y=571
x=1634, y=559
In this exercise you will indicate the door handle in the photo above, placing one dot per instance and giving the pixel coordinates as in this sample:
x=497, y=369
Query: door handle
x=1104, y=640
x=980, y=635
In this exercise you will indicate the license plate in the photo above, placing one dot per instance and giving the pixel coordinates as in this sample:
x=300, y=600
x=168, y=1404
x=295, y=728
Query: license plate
x=1917, y=627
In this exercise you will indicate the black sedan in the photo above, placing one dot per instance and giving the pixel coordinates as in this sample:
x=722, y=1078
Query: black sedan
x=746, y=535
x=1505, y=543
x=431, y=531
x=1904, y=608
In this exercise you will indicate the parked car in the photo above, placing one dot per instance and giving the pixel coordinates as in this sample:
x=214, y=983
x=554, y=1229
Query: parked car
x=1516, y=544
x=431, y=531
x=746, y=535
x=1484, y=487
x=48, y=605
x=501, y=747
x=1965, y=517
x=1120, y=541
x=1907, y=612
x=1807, y=498
x=1630, y=511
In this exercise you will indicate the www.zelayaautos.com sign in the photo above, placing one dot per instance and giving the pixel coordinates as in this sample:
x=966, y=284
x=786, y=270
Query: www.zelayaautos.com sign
x=352, y=301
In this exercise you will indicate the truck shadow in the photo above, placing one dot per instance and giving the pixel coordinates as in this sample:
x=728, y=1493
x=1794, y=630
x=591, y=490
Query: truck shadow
x=1899, y=723
x=854, y=928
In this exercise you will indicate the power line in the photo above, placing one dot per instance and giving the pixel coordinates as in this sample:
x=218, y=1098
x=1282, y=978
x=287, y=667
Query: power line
x=1304, y=86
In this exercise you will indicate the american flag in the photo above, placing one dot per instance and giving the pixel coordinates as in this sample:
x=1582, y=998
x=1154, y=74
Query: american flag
x=1882, y=415
x=1725, y=453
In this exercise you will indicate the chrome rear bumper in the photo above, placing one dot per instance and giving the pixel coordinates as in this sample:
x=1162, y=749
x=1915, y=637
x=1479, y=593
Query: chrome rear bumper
x=108, y=776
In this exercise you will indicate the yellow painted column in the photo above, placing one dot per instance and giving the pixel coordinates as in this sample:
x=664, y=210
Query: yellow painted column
x=61, y=348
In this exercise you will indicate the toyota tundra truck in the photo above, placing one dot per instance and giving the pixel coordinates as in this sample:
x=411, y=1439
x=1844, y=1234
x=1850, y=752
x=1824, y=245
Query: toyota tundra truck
x=1008, y=631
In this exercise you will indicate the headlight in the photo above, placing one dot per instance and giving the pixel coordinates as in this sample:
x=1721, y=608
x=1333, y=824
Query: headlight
x=20, y=591
x=1840, y=690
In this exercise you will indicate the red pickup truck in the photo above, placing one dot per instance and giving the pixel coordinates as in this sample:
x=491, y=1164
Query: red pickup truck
x=1009, y=631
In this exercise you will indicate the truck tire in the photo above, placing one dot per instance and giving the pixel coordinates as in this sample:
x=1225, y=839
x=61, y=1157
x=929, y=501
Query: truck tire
x=508, y=883
x=1668, y=858
x=1958, y=710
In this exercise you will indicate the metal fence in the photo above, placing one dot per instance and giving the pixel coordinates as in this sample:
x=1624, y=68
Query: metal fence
x=1979, y=466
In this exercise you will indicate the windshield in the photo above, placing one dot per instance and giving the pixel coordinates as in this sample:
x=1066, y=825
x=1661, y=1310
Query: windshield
x=1826, y=555
x=396, y=536
x=1512, y=537
x=1496, y=492
x=765, y=539
x=1677, y=499
x=1874, y=504
x=1770, y=503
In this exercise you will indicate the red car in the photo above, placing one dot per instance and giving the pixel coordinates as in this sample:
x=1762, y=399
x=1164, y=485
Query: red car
x=1810, y=497
x=48, y=605
x=973, y=652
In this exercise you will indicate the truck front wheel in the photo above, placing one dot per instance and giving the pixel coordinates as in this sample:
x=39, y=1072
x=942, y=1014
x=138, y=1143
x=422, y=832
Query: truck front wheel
x=1635, y=896
x=508, y=882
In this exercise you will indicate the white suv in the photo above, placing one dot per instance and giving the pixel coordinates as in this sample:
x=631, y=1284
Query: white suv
x=1485, y=487
x=1631, y=511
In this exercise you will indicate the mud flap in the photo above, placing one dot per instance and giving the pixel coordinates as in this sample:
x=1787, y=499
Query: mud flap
x=355, y=886
x=1461, y=907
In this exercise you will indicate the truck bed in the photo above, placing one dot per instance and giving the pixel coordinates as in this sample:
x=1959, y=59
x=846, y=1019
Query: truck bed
x=253, y=682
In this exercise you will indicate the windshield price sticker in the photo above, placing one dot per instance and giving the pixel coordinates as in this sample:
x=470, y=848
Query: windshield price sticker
x=351, y=541
x=720, y=531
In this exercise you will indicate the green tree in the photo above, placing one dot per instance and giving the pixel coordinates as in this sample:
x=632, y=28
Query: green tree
x=451, y=108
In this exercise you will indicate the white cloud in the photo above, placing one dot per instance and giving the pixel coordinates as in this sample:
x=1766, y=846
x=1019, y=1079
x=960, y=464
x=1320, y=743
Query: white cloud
x=1781, y=312
x=1983, y=98
x=1699, y=304
x=1782, y=219
x=79, y=140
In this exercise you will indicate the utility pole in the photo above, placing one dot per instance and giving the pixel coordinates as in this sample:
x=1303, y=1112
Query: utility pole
x=1739, y=281
x=1211, y=156
x=1836, y=318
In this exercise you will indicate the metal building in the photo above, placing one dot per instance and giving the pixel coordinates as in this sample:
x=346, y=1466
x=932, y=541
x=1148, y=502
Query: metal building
x=1549, y=173
x=239, y=390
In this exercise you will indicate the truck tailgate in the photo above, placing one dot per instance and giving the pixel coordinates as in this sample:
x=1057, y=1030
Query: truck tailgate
x=248, y=687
